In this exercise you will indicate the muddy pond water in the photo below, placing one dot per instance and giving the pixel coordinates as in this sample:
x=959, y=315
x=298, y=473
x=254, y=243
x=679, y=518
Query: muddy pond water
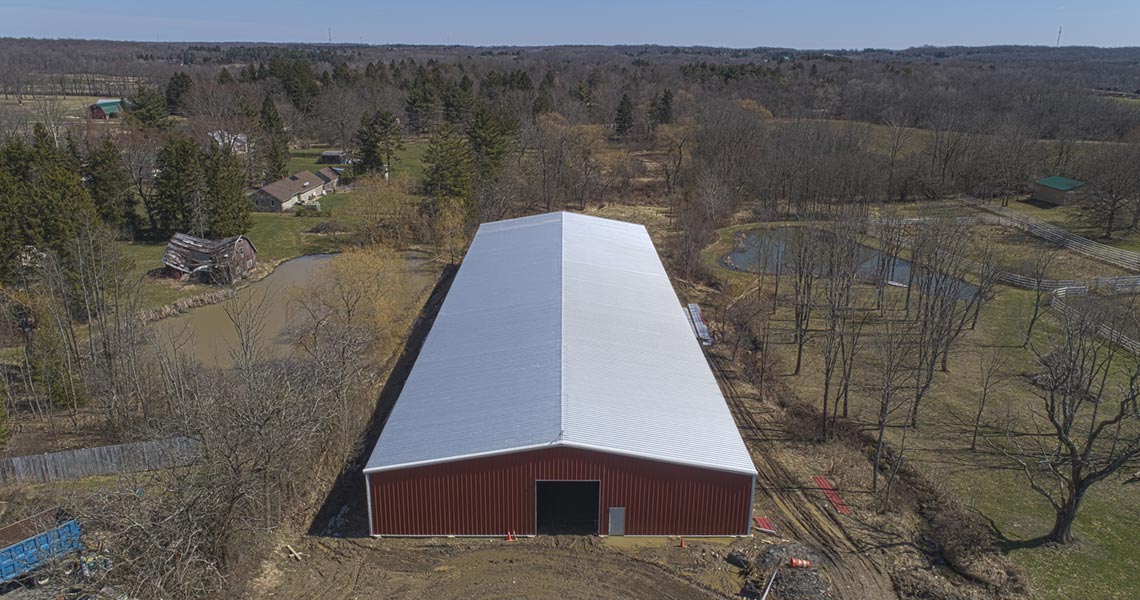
x=207, y=333
x=767, y=249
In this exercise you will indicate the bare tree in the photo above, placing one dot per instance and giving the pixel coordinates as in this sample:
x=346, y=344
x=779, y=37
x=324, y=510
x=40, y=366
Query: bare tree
x=890, y=366
x=1114, y=184
x=841, y=258
x=1037, y=268
x=1084, y=421
x=991, y=365
x=803, y=251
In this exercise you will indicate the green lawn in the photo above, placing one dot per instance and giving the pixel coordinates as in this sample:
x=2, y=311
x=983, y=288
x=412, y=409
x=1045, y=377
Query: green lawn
x=409, y=161
x=1071, y=218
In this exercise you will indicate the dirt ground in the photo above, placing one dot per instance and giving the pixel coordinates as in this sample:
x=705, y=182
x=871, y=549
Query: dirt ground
x=544, y=567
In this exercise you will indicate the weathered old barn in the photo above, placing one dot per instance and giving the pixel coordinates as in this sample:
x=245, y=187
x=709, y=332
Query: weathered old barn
x=211, y=261
x=560, y=390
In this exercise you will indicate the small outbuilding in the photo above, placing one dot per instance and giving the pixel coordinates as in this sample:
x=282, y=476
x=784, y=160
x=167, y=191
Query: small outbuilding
x=330, y=178
x=105, y=108
x=332, y=157
x=560, y=391
x=210, y=261
x=1058, y=190
x=298, y=189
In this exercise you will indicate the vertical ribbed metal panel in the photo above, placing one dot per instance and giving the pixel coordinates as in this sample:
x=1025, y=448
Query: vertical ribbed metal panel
x=496, y=494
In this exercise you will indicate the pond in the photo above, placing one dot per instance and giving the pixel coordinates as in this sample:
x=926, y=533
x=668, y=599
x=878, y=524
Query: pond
x=770, y=246
x=207, y=334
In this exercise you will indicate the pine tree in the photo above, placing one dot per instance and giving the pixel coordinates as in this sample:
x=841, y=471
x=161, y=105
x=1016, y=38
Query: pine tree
x=369, y=158
x=62, y=205
x=225, y=77
x=542, y=103
x=623, y=121
x=149, y=109
x=179, y=198
x=449, y=173
x=110, y=186
x=274, y=144
x=421, y=106
x=176, y=90
x=225, y=193
x=661, y=109
x=488, y=143
x=391, y=142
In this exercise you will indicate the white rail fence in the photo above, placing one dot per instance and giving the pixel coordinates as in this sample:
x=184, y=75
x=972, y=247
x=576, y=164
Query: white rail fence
x=1059, y=304
x=1125, y=259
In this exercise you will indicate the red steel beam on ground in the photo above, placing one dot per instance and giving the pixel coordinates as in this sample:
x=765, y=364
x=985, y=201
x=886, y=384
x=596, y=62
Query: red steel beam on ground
x=832, y=495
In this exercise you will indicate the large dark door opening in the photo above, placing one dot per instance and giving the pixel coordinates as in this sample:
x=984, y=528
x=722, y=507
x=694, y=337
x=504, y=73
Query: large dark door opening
x=566, y=507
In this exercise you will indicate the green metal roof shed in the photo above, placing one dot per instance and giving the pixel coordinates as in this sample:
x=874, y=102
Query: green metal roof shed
x=1059, y=183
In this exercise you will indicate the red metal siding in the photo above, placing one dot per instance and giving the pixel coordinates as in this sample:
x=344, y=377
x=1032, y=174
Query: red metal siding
x=496, y=494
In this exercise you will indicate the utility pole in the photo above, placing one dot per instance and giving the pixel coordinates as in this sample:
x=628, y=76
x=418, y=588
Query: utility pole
x=1059, y=35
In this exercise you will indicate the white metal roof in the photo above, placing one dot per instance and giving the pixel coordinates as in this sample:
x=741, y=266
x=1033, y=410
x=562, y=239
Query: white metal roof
x=561, y=330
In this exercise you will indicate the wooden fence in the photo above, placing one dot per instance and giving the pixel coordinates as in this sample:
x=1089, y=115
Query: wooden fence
x=1059, y=304
x=103, y=460
x=1125, y=259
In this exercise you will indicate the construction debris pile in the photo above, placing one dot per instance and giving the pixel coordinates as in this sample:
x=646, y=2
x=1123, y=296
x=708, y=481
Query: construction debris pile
x=799, y=582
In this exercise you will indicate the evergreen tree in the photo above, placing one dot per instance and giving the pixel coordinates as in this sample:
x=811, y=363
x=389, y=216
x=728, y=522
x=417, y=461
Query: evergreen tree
x=149, y=109
x=542, y=103
x=13, y=215
x=623, y=121
x=225, y=193
x=377, y=142
x=110, y=186
x=459, y=101
x=421, y=106
x=176, y=90
x=274, y=144
x=225, y=77
x=179, y=198
x=661, y=109
x=449, y=166
x=369, y=158
x=488, y=143
x=61, y=207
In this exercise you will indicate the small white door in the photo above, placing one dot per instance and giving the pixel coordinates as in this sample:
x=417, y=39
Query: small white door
x=617, y=520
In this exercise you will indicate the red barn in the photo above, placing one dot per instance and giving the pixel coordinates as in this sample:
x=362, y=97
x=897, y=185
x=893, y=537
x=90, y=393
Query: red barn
x=561, y=390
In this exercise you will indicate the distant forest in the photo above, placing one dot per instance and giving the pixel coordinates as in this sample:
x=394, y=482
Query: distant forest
x=1051, y=93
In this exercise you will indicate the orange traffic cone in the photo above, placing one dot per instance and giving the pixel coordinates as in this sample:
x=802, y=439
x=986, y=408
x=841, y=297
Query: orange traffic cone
x=682, y=542
x=799, y=563
x=510, y=536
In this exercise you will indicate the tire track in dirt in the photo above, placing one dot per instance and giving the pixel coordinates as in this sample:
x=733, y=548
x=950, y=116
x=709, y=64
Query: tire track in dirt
x=852, y=573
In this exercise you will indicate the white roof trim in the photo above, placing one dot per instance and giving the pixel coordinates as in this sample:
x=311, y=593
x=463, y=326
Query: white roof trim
x=557, y=444
x=561, y=330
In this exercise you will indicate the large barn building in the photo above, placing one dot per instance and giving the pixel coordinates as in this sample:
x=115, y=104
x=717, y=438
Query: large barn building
x=560, y=390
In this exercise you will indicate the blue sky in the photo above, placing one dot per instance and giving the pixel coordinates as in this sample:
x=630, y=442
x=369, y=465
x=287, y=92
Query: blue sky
x=735, y=23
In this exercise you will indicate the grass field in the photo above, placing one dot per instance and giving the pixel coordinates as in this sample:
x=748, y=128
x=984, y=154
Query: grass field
x=409, y=161
x=1071, y=218
x=1104, y=562
x=72, y=106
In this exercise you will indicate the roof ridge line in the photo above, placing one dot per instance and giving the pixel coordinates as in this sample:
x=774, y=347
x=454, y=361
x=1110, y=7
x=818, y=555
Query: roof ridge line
x=561, y=326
